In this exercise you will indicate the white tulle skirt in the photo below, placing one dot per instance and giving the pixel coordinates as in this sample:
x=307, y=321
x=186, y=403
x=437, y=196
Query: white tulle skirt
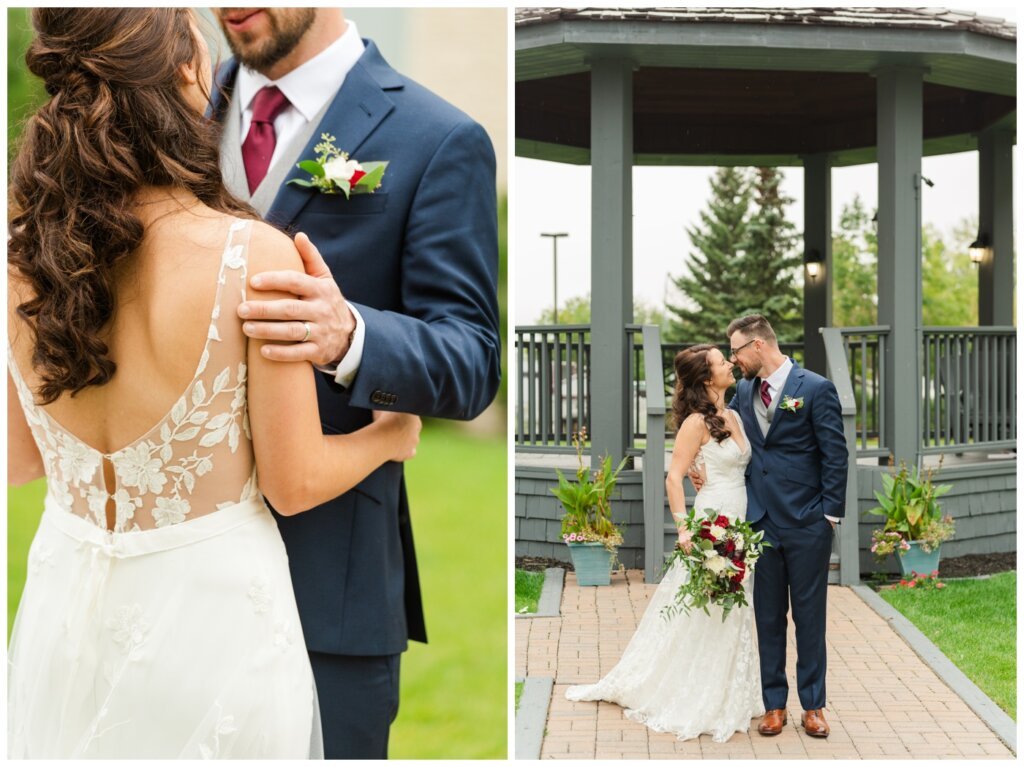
x=178, y=642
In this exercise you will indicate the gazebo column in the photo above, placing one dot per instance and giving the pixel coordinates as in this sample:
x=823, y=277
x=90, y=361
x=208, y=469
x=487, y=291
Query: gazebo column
x=817, y=242
x=611, y=272
x=995, y=222
x=899, y=253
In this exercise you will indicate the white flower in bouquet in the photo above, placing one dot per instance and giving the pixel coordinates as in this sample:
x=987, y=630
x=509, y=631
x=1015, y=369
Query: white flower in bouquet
x=341, y=168
x=738, y=540
x=717, y=532
x=717, y=564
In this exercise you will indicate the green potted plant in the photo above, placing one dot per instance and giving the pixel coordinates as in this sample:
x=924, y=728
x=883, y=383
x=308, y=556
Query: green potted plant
x=587, y=526
x=915, y=527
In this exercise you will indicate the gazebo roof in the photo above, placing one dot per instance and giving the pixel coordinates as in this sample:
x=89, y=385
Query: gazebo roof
x=759, y=86
x=867, y=18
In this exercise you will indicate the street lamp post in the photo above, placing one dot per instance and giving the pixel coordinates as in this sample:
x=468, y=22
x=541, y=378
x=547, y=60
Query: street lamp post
x=554, y=241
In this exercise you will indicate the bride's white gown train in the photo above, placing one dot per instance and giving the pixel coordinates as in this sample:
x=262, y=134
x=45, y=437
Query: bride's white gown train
x=692, y=674
x=175, y=633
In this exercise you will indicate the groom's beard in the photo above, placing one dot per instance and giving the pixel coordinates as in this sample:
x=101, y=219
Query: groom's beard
x=748, y=373
x=262, y=52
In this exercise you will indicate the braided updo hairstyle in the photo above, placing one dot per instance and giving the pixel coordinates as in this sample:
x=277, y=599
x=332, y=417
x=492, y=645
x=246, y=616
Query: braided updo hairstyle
x=116, y=121
x=691, y=393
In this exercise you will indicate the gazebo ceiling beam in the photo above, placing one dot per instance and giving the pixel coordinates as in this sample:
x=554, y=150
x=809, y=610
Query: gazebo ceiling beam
x=695, y=116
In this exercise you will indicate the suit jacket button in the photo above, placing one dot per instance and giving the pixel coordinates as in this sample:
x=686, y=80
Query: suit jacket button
x=376, y=397
x=393, y=399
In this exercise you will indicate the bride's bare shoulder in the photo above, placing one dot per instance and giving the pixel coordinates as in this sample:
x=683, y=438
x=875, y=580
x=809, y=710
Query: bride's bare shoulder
x=271, y=250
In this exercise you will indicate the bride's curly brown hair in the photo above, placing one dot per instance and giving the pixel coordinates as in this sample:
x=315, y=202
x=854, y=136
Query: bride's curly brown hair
x=691, y=393
x=116, y=122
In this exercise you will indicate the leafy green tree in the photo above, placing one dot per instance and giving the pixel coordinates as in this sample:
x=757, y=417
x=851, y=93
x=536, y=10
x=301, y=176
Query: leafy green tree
x=771, y=263
x=712, y=288
x=855, y=268
x=949, y=280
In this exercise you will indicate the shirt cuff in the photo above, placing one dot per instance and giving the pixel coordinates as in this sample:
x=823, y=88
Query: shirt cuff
x=833, y=519
x=349, y=364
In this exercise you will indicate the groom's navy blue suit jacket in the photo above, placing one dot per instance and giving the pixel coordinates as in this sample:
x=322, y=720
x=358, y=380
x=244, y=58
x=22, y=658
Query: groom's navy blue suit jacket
x=419, y=260
x=797, y=472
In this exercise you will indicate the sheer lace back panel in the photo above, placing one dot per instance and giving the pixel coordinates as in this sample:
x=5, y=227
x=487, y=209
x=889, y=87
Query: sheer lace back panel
x=196, y=459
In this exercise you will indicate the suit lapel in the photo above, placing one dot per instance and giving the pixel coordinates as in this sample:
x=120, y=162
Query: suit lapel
x=360, y=106
x=794, y=381
x=747, y=414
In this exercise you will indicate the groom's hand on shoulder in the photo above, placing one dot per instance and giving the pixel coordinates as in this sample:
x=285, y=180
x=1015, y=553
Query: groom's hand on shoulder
x=317, y=326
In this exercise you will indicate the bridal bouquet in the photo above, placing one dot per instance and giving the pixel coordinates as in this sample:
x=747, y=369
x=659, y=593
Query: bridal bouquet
x=719, y=556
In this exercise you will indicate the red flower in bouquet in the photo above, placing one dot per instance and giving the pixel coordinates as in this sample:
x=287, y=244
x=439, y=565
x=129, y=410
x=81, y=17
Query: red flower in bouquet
x=719, y=562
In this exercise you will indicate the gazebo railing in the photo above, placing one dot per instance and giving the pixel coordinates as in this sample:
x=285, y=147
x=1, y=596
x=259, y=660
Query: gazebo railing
x=968, y=386
x=864, y=350
x=969, y=389
x=553, y=396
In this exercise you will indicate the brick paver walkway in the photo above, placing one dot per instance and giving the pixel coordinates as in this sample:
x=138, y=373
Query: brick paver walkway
x=883, y=701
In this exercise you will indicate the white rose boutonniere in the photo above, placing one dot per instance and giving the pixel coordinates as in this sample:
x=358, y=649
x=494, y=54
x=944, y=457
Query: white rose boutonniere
x=334, y=172
x=792, y=404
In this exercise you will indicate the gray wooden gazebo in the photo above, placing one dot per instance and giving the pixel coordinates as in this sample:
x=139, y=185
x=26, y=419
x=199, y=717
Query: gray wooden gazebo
x=817, y=88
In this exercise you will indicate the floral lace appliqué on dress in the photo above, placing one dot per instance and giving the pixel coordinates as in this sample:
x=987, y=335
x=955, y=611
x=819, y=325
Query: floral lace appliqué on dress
x=160, y=476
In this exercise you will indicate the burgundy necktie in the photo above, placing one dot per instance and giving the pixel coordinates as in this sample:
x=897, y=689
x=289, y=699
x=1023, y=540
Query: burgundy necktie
x=258, y=147
x=766, y=396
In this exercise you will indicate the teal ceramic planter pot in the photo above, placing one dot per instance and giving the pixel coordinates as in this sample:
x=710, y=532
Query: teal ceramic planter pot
x=917, y=560
x=593, y=563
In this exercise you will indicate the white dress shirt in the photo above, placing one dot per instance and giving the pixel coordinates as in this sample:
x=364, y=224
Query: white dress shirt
x=308, y=88
x=776, y=382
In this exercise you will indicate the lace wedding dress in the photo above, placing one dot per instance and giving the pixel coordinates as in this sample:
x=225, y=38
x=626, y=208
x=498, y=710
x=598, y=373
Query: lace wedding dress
x=173, y=632
x=693, y=673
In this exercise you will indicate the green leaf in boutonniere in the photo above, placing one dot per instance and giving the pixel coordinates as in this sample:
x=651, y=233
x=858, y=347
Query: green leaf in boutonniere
x=312, y=167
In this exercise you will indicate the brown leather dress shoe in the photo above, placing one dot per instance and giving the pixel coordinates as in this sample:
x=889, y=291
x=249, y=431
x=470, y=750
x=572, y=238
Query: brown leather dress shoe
x=814, y=723
x=773, y=722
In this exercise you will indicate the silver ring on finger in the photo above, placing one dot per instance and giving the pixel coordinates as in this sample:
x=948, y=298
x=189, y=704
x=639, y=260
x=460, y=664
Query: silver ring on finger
x=309, y=332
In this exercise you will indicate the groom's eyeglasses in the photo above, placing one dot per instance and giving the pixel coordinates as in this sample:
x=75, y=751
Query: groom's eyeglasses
x=734, y=352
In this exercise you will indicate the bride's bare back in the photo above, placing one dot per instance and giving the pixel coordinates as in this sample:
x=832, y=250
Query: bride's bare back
x=167, y=438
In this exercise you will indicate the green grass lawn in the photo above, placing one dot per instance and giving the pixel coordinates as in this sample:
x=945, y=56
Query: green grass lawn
x=974, y=622
x=454, y=697
x=528, y=588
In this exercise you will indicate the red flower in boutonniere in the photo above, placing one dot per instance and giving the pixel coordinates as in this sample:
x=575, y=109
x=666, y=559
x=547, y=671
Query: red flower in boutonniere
x=334, y=172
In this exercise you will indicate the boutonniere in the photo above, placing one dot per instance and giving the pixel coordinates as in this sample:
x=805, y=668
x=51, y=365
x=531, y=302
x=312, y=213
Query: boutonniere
x=334, y=172
x=792, y=404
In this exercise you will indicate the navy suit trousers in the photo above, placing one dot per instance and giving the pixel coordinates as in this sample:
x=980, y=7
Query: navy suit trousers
x=793, y=572
x=358, y=702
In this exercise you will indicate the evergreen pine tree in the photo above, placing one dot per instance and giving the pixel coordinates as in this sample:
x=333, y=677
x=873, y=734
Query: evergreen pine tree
x=714, y=265
x=771, y=262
